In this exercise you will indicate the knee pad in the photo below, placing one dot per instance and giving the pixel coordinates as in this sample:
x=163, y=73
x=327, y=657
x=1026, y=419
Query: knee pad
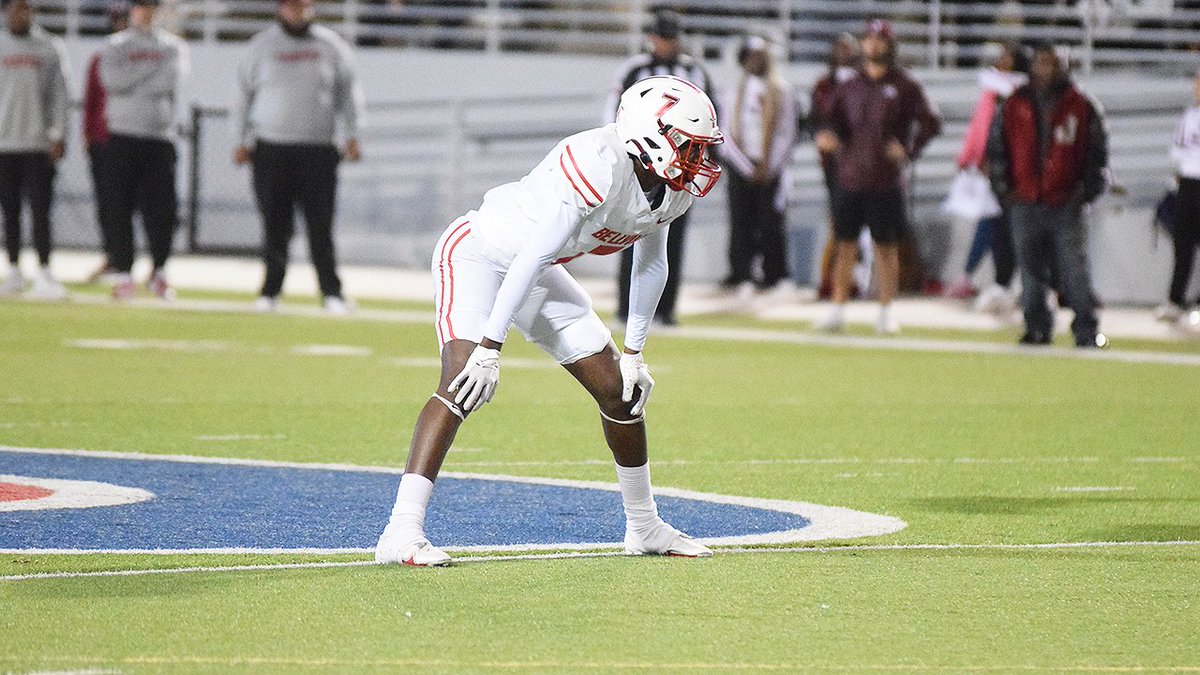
x=452, y=406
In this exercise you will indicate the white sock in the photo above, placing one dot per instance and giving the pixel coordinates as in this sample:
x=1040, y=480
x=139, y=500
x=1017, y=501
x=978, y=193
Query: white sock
x=640, y=510
x=885, y=312
x=408, y=515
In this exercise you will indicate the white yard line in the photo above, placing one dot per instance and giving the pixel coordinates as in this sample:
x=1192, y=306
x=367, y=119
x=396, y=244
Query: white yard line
x=1049, y=546
x=796, y=337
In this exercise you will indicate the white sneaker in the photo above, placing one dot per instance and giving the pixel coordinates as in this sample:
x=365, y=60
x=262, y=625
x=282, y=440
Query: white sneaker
x=995, y=299
x=393, y=549
x=336, y=306
x=266, y=304
x=1168, y=312
x=745, y=291
x=662, y=539
x=834, y=322
x=158, y=285
x=887, y=324
x=46, y=287
x=14, y=283
x=1190, y=321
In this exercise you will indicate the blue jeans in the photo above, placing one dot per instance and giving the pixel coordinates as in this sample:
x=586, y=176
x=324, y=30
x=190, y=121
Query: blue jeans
x=1050, y=238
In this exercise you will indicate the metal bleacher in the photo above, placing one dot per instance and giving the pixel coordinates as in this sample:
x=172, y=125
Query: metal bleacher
x=431, y=158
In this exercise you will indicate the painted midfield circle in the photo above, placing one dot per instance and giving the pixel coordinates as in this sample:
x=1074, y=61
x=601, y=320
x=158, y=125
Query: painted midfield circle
x=192, y=503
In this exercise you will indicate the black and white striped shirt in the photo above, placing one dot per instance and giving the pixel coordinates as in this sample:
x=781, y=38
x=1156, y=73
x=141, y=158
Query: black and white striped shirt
x=646, y=65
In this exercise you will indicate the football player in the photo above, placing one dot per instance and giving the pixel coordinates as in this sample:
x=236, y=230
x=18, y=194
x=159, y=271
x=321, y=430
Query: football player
x=598, y=192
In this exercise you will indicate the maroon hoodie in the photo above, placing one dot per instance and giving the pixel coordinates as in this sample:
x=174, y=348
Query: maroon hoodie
x=865, y=113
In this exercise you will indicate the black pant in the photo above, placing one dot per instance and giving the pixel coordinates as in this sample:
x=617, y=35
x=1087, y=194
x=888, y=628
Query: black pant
x=755, y=228
x=138, y=174
x=665, y=311
x=1004, y=254
x=96, y=162
x=1187, y=236
x=27, y=176
x=286, y=175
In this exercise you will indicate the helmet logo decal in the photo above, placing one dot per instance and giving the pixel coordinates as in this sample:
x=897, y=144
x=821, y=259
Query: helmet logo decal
x=671, y=102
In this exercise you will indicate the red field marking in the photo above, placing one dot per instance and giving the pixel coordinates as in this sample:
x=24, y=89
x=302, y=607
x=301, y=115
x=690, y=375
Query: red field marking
x=14, y=492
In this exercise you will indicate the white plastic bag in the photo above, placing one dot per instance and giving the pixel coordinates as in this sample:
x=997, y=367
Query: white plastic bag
x=971, y=196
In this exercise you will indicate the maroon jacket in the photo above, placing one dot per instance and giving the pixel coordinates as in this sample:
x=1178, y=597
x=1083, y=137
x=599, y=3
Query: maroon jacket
x=1068, y=166
x=95, y=101
x=865, y=113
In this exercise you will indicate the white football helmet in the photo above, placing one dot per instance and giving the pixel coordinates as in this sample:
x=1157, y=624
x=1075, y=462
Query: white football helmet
x=667, y=124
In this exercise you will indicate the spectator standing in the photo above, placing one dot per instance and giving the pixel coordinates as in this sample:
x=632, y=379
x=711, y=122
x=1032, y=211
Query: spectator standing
x=95, y=135
x=33, y=116
x=844, y=57
x=665, y=57
x=142, y=70
x=1047, y=157
x=876, y=124
x=992, y=233
x=762, y=117
x=297, y=81
x=1185, y=151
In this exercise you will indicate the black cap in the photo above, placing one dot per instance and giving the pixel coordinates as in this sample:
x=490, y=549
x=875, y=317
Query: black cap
x=145, y=3
x=665, y=24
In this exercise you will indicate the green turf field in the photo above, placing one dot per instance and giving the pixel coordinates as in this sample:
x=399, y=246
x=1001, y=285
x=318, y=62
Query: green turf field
x=983, y=455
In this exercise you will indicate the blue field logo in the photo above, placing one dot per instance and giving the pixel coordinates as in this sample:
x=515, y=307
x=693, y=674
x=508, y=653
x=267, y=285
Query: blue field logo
x=62, y=500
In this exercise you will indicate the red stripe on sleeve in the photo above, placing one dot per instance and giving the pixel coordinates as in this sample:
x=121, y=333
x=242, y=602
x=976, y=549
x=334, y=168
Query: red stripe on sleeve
x=599, y=199
x=572, y=180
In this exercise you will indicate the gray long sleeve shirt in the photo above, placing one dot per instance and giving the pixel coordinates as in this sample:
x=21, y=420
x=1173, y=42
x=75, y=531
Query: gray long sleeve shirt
x=33, y=91
x=294, y=90
x=143, y=72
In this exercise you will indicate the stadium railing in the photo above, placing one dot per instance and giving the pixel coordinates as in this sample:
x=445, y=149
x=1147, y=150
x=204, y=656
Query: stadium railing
x=933, y=34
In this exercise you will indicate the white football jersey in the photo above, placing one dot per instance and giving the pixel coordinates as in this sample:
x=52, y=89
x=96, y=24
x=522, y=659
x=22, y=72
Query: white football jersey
x=584, y=195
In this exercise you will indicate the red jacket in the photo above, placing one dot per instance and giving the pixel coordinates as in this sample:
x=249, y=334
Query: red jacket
x=95, y=99
x=1055, y=171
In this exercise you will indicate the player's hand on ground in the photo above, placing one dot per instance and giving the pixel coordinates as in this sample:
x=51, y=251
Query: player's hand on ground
x=477, y=382
x=634, y=373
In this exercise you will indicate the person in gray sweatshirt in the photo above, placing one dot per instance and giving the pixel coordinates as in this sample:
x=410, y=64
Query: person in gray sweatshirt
x=142, y=70
x=33, y=115
x=297, y=81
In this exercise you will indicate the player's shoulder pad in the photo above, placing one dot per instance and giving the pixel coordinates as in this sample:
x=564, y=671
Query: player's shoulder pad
x=588, y=162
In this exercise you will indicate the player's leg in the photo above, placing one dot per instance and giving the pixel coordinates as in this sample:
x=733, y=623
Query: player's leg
x=403, y=539
x=465, y=290
x=564, y=325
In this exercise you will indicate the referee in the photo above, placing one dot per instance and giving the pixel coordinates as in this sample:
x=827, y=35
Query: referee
x=296, y=83
x=663, y=58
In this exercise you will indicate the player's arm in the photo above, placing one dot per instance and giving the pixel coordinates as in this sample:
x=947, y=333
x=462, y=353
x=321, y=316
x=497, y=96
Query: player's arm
x=646, y=285
x=574, y=187
x=479, y=378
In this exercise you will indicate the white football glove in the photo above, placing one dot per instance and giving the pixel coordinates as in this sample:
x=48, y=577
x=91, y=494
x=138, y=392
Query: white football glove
x=477, y=382
x=635, y=373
